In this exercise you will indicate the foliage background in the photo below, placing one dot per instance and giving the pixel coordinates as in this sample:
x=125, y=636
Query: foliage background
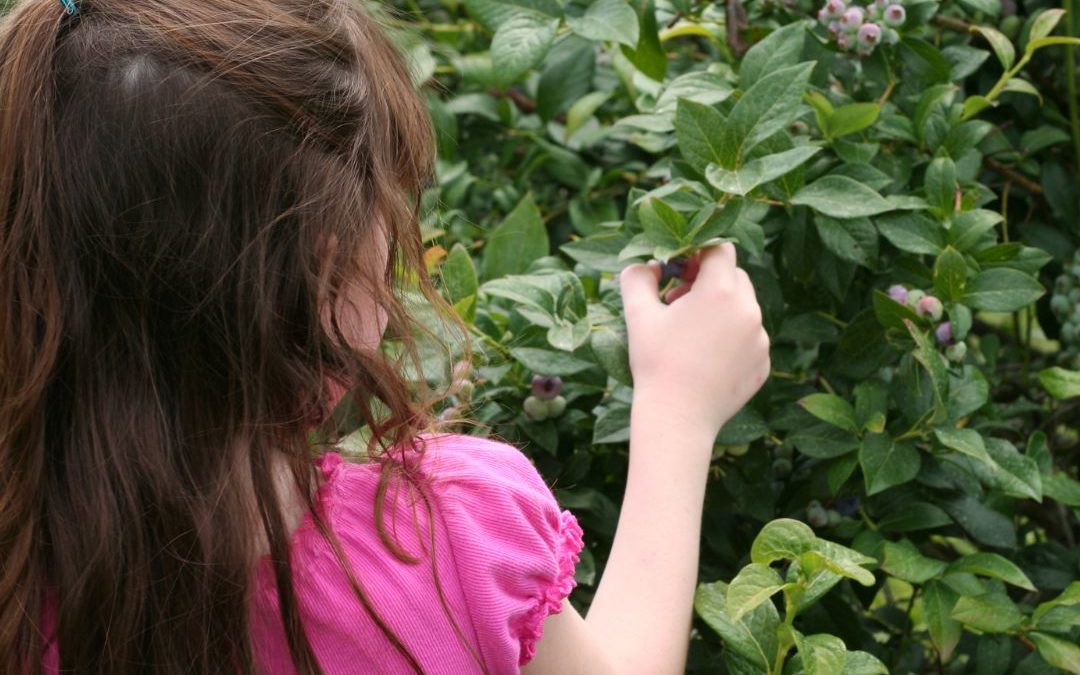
x=576, y=137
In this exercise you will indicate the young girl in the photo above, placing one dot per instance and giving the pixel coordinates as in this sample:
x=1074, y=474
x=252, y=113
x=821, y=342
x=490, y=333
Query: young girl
x=206, y=207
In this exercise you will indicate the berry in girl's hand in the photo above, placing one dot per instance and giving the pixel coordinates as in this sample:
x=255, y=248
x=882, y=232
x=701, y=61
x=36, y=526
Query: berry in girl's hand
x=672, y=269
x=535, y=409
x=546, y=387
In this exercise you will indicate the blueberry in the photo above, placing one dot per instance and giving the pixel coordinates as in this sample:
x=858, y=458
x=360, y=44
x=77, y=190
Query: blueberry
x=869, y=35
x=848, y=505
x=672, y=269
x=1060, y=305
x=895, y=16
x=781, y=466
x=834, y=517
x=852, y=19
x=816, y=514
x=737, y=450
x=898, y=293
x=943, y=332
x=929, y=307
x=546, y=387
x=914, y=296
x=536, y=409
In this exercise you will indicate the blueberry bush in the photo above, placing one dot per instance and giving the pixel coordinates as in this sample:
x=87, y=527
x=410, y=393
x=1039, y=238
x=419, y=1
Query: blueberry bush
x=900, y=179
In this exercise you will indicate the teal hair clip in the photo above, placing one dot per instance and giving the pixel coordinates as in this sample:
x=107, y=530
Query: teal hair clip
x=70, y=6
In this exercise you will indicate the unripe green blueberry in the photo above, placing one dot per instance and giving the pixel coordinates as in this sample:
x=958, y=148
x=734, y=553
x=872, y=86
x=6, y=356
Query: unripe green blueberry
x=785, y=451
x=1074, y=295
x=1060, y=306
x=781, y=466
x=1075, y=270
x=535, y=409
x=1068, y=332
x=1063, y=284
x=816, y=514
x=834, y=517
x=914, y=296
x=956, y=352
x=556, y=407
x=738, y=450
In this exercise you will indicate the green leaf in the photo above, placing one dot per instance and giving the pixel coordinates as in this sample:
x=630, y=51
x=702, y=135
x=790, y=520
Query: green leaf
x=547, y=362
x=822, y=654
x=493, y=13
x=970, y=230
x=612, y=425
x=993, y=566
x=913, y=232
x=999, y=43
x=841, y=197
x=991, y=612
x=983, y=523
x=862, y=663
x=778, y=49
x=520, y=44
x=851, y=239
x=782, y=539
x=832, y=409
x=584, y=108
x=1051, y=41
x=566, y=76
x=1016, y=475
x=1002, y=290
x=663, y=225
x=766, y=108
x=516, y=242
x=1044, y=24
x=904, y=561
x=1018, y=85
x=940, y=185
x=459, y=279
x=754, y=584
x=699, y=129
x=913, y=517
x=608, y=21
x=938, y=601
x=611, y=352
x=758, y=171
x=1069, y=597
x=648, y=56
x=844, y=561
x=852, y=118
x=966, y=441
x=823, y=441
x=1057, y=652
x=1060, y=383
x=927, y=355
x=757, y=645
x=886, y=463
x=745, y=426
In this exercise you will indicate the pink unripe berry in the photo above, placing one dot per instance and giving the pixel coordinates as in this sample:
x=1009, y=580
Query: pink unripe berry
x=843, y=41
x=869, y=35
x=834, y=28
x=822, y=17
x=930, y=307
x=898, y=293
x=880, y=5
x=943, y=332
x=895, y=15
x=834, y=9
x=852, y=19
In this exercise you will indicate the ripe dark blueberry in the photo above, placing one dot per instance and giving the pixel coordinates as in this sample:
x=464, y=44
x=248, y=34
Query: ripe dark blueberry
x=546, y=387
x=848, y=505
x=672, y=269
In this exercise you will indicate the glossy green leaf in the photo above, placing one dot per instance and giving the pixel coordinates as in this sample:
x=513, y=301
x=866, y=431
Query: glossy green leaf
x=841, y=197
x=607, y=20
x=766, y=108
x=781, y=539
x=521, y=43
x=886, y=463
x=993, y=566
x=991, y=612
x=758, y=171
x=1060, y=383
x=1001, y=45
x=1064, y=654
x=832, y=409
x=753, y=585
x=516, y=242
x=1002, y=290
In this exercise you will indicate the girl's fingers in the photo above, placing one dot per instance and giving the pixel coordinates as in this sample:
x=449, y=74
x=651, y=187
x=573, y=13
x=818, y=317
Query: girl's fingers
x=717, y=264
x=639, y=287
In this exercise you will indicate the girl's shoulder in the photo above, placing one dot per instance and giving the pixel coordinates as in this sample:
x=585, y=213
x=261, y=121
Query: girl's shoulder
x=505, y=550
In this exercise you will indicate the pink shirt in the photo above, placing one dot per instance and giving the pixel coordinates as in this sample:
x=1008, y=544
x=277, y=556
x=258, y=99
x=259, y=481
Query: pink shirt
x=504, y=553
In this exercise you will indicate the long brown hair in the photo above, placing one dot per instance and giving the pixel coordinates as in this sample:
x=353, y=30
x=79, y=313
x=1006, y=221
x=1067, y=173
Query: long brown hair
x=169, y=172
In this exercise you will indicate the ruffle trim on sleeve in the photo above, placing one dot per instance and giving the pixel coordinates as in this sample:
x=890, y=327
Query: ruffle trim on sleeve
x=571, y=542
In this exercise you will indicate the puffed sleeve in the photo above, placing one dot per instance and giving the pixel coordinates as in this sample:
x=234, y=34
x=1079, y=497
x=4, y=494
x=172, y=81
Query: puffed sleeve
x=514, y=549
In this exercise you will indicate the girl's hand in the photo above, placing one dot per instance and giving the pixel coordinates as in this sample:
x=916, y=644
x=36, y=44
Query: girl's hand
x=704, y=355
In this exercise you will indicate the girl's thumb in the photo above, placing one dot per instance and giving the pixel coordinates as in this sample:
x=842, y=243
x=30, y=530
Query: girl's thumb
x=639, y=285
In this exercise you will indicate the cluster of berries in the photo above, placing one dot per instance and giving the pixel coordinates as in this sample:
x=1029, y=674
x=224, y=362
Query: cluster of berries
x=545, y=402
x=861, y=29
x=929, y=307
x=1065, y=303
